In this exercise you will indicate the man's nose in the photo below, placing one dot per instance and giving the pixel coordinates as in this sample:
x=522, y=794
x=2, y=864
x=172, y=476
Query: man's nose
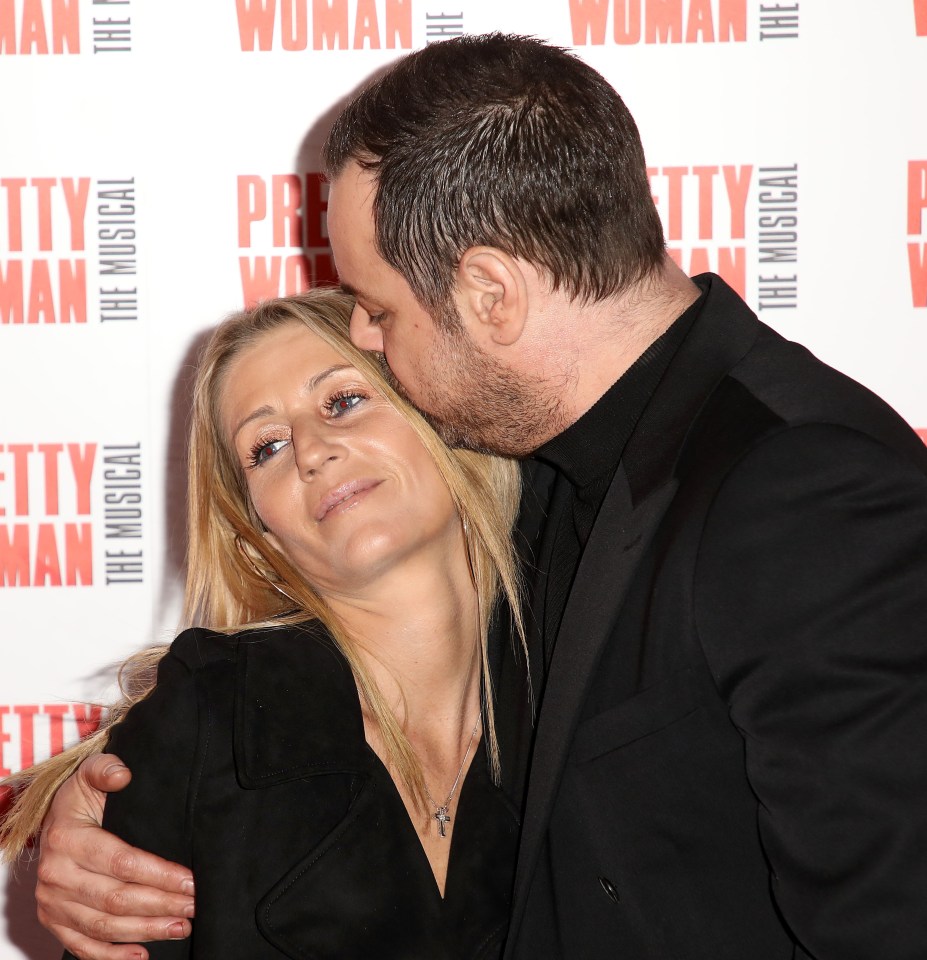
x=364, y=334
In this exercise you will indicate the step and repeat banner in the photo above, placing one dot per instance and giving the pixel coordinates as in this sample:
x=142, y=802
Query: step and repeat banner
x=159, y=169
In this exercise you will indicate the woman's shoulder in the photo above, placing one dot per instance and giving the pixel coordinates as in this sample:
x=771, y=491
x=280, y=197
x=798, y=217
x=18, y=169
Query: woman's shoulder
x=265, y=662
x=198, y=648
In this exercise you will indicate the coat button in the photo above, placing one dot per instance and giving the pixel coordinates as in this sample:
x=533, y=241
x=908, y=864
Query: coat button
x=609, y=889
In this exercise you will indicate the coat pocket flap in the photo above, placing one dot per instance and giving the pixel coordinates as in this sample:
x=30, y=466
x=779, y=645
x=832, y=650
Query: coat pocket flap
x=646, y=713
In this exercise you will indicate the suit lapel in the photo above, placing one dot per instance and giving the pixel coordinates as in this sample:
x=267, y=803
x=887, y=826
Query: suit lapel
x=639, y=496
x=618, y=540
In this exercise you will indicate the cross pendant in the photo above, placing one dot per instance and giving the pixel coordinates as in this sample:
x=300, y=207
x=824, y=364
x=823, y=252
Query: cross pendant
x=442, y=817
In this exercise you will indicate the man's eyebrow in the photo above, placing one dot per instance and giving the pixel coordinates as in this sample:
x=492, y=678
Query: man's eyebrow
x=357, y=294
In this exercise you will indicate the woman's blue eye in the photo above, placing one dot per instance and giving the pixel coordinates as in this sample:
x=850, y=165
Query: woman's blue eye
x=343, y=403
x=261, y=452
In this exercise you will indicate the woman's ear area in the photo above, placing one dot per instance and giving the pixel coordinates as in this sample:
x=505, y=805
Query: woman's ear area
x=492, y=296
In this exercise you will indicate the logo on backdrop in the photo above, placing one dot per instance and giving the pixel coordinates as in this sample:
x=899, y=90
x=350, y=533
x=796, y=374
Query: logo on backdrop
x=51, y=523
x=324, y=24
x=46, y=528
x=628, y=22
x=737, y=220
x=50, y=27
x=123, y=514
x=67, y=250
x=443, y=26
x=282, y=243
x=917, y=230
x=32, y=732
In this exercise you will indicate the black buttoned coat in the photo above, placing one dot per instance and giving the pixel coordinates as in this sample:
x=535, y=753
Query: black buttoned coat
x=249, y=765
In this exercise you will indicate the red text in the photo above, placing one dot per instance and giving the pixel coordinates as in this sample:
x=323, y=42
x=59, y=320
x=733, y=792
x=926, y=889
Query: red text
x=38, y=23
x=658, y=21
x=917, y=250
x=331, y=24
x=30, y=732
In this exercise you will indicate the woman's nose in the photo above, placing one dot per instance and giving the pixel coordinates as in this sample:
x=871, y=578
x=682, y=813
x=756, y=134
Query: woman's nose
x=313, y=451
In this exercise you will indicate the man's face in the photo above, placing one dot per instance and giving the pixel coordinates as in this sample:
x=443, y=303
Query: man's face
x=387, y=317
x=471, y=399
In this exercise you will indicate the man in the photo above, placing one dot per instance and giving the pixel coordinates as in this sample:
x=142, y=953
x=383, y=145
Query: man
x=728, y=543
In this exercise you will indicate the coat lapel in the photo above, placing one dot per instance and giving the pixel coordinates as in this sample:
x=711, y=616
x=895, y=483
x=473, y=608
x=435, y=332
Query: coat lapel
x=359, y=884
x=365, y=891
x=281, y=732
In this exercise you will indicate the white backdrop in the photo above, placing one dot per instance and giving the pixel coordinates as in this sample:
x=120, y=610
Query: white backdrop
x=158, y=168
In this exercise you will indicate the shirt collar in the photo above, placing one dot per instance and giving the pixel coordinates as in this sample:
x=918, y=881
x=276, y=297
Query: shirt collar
x=592, y=446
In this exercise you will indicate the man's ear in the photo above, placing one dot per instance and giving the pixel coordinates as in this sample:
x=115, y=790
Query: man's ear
x=492, y=295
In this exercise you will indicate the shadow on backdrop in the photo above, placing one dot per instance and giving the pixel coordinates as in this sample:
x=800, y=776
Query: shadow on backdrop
x=309, y=155
x=175, y=474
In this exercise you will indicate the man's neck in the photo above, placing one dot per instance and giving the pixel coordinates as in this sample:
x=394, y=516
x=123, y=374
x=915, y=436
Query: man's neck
x=625, y=327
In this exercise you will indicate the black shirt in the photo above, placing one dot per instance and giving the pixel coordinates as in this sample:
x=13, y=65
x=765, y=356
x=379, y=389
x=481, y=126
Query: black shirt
x=585, y=457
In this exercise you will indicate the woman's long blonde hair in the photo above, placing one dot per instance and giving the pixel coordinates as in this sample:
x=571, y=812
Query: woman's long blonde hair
x=235, y=578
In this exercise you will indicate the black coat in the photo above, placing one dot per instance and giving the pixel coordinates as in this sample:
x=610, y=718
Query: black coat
x=730, y=759
x=249, y=765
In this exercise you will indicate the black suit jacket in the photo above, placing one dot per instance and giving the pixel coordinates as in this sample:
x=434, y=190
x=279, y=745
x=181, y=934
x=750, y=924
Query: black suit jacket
x=729, y=760
x=249, y=765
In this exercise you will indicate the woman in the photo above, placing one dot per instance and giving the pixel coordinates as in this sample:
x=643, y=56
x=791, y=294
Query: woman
x=319, y=747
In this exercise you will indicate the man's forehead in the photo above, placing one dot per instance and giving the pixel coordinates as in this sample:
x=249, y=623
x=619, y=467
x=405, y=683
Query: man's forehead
x=352, y=193
x=352, y=283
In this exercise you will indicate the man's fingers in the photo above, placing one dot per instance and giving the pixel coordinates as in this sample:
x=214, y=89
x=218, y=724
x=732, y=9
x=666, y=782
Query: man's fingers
x=86, y=949
x=132, y=900
x=135, y=866
x=92, y=925
x=104, y=772
x=93, y=889
x=67, y=844
x=61, y=886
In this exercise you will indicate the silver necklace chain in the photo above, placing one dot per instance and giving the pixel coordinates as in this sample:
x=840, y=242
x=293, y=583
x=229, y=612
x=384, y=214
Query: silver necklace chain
x=441, y=811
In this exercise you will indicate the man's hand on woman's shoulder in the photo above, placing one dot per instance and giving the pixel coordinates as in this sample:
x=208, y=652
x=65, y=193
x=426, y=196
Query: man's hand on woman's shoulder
x=99, y=896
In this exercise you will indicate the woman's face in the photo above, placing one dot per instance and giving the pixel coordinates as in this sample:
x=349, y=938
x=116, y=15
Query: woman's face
x=340, y=479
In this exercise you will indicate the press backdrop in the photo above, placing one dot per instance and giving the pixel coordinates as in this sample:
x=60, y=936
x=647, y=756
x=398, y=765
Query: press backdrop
x=159, y=168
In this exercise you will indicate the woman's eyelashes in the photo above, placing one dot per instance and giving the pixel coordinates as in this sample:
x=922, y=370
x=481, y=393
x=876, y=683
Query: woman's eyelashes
x=334, y=407
x=264, y=449
x=344, y=401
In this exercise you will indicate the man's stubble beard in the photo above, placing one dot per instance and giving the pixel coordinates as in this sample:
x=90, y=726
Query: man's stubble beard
x=482, y=405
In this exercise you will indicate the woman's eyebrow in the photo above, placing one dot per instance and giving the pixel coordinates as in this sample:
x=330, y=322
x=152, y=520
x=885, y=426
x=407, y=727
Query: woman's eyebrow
x=311, y=384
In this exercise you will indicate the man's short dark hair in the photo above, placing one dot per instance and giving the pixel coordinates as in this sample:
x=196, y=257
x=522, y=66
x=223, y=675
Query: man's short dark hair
x=502, y=141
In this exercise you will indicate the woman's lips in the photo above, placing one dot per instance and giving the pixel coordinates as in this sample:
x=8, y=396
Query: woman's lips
x=342, y=496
